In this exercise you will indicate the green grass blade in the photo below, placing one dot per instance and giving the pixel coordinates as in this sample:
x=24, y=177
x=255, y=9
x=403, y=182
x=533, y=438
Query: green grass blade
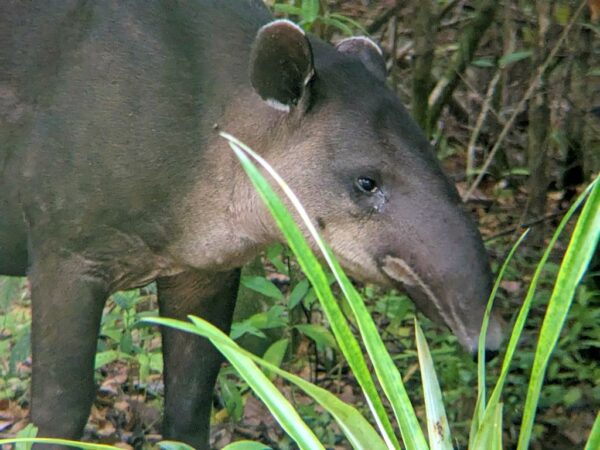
x=437, y=422
x=173, y=445
x=282, y=410
x=497, y=437
x=593, y=442
x=314, y=272
x=65, y=442
x=480, y=404
x=246, y=445
x=524, y=311
x=577, y=257
x=386, y=370
x=489, y=435
x=357, y=429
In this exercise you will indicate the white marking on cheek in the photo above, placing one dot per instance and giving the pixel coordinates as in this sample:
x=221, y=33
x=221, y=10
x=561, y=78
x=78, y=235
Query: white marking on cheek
x=399, y=270
x=277, y=105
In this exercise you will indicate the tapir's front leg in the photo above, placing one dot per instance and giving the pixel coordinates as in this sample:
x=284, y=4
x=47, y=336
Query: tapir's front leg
x=67, y=304
x=191, y=363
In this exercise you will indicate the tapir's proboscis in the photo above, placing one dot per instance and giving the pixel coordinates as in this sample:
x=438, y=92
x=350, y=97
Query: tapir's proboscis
x=113, y=175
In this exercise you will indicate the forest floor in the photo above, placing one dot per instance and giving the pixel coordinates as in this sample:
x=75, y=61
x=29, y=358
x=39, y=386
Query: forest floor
x=128, y=407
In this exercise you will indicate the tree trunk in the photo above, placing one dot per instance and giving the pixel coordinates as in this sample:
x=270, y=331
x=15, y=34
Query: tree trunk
x=539, y=127
x=424, y=47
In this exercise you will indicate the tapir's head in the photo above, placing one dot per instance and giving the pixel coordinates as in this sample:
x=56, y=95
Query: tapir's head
x=369, y=178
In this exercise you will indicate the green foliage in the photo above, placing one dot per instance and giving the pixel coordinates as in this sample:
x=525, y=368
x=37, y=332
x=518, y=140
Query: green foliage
x=314, y=15
x=487, y=423
x=123, y=339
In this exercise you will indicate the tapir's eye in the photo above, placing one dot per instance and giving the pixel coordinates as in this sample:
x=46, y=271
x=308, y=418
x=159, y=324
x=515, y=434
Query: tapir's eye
x=367, y=185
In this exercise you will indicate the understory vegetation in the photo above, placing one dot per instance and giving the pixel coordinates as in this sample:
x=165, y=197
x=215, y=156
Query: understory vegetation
x=509, y=94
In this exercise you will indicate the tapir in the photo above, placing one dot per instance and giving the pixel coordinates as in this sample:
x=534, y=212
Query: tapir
x=113, y=175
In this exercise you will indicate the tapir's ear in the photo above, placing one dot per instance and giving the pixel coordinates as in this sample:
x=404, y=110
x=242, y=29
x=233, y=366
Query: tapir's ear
x=281, y=64
x=367, y=51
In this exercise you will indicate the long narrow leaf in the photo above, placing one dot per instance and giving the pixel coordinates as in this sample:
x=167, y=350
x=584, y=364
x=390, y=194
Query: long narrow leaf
x=282, y=410
x=65, y=442
x=314, y=272
x=357, y=429
x=593, y=442
x=577, y=257
x=246, y=445
x=489, y=435
x=480, y=404
x=386, y=370
x=524, y=311
x=437, y=422
x=359, y=432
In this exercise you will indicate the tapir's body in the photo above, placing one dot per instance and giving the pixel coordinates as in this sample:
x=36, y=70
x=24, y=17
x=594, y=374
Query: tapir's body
x=112, y=175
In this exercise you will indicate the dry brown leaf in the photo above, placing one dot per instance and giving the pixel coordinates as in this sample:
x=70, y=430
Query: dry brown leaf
x=594, y=9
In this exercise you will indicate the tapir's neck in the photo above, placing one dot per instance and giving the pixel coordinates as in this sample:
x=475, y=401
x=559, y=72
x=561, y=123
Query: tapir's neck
x=224, y=222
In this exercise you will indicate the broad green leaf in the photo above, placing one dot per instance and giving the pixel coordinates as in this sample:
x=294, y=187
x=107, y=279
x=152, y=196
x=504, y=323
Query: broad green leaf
x=30, y=431
x=271, y=318
x=234, y=403
x=318, y=333
x=512, y=58
x=282, y=410
x=437, y=422
x=276, y=352
x=126, y=299
x=262, y=286
x=287, y=9
x=246, y=445
x=239, y=329
x=104, y=358
x=483, y=62
x=298, y=293
x=310, y=10
x=173, y=445
x=273, y=254
x=583, y=244
x=10, y=288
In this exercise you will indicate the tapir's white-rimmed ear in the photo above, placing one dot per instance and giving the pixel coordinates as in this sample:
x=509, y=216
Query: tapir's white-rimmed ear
x=281, y=64
x=367, y=51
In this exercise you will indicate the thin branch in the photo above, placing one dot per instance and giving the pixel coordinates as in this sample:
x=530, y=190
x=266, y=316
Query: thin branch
x=530, y=90
x=522, y=226
x=383, y=18
x=480, y=121
x=469, y=42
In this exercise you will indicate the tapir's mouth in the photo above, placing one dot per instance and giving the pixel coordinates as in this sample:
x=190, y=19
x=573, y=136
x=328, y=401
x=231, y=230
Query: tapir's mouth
x=425, y=298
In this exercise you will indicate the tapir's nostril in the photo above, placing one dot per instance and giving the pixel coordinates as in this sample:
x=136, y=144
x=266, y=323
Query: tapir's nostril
x=489, y=355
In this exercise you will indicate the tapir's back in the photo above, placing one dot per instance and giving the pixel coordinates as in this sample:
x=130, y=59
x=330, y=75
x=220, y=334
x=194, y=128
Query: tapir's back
x=105, y=106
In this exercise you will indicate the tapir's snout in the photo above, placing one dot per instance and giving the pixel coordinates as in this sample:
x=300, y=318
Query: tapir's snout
x=454, y=298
